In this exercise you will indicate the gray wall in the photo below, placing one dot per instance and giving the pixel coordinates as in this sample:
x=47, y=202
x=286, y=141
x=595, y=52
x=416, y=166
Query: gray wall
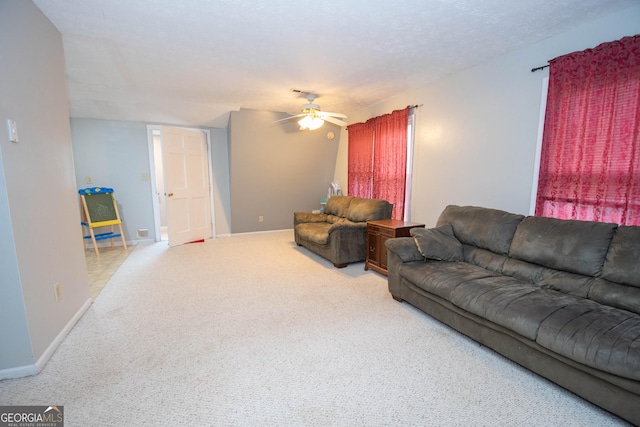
x=259, y=169
x=276, y=169
x=40, y=240
x=477, y=130
x=116, y=154
x=221, y=190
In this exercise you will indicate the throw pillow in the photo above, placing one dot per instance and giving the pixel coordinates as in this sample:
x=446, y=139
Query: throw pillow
x=438, y=243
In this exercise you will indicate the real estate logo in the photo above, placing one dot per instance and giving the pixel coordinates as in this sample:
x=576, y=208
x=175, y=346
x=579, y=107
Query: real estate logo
x=31, y=416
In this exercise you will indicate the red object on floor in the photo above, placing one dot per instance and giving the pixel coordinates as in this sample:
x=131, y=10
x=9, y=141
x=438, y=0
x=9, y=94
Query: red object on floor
x=197, y=241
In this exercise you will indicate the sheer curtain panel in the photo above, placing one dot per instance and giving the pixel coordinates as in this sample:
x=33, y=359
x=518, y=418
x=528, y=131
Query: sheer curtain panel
x=390, y=159
x=360, y=162
x=378, y=159
x=590, y=159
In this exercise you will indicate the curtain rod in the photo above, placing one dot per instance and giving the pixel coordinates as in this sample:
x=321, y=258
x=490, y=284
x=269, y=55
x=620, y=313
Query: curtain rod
x=408, y=106
x=533, y=70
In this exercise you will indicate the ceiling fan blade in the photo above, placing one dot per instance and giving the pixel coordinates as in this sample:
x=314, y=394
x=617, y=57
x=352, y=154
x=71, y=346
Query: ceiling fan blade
x=289, y=118
x=340, y=115
x=334, y=121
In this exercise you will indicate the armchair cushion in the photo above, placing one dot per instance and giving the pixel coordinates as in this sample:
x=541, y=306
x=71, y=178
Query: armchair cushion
x=338, y=205
x=317, y=232
x=363, y=210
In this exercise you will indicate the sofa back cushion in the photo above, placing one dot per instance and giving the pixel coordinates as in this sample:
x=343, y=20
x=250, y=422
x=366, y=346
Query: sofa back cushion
x=569, y=245
x=484, y=228
x=615, y=295
x=362, y=210
x=623, y=259
x=338, y=205
x=619, y=284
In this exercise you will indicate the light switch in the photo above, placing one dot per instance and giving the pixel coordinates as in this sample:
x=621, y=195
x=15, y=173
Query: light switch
x=12, y=129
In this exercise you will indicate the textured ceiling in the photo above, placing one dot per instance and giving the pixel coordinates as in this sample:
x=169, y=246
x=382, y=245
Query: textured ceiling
x=190, y=62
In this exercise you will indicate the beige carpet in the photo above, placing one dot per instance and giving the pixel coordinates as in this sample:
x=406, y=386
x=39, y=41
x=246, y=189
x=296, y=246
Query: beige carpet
x=252, y=330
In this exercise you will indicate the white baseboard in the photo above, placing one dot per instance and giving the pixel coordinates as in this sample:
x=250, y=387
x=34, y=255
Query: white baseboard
x=58, y=340
x=262, y=232
x=19, y=372
x=28, y=370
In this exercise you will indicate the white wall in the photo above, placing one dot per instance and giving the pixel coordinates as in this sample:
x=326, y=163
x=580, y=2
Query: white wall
x=477, y=129
x=157, y=155
x=39, y=220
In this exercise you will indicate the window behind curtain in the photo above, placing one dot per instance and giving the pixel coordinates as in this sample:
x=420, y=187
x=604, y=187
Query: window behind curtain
x=378, y=159
x=590, y=160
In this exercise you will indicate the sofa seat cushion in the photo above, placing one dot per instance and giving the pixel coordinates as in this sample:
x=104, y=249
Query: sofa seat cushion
x=441, y=277
x=595, y=335
x=316, y=232
x=509, y=302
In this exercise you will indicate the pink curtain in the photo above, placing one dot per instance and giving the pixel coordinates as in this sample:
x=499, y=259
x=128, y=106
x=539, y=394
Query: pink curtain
x=378, y=159
x=390, y=159
x=590, y=160
x=360, y=162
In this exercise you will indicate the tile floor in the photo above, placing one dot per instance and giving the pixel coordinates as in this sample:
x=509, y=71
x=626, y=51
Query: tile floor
x=102, y=267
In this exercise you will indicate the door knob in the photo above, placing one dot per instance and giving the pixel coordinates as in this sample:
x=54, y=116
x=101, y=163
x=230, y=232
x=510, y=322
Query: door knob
x=170, y=194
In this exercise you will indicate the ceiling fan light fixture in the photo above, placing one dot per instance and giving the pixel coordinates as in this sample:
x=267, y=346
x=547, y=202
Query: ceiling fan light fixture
x=311, y=123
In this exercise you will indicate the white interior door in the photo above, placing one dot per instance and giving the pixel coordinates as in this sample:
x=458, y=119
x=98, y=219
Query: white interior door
x=186, y=177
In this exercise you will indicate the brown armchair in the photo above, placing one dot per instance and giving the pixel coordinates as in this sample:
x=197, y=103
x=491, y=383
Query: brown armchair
x=339, y=234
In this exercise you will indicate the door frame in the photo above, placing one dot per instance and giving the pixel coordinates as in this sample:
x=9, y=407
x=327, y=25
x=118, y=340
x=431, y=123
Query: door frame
x=151, y=129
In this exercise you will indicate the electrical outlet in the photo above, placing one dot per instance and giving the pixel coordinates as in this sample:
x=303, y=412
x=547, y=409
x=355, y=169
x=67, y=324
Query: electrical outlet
x=89, y=180
x=260, y=218
x=57, y=292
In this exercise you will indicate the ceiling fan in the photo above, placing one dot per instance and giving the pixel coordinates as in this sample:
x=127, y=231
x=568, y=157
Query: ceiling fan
x=311, y=116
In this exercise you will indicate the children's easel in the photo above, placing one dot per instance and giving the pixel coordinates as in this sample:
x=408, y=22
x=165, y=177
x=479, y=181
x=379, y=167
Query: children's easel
x=99, y=209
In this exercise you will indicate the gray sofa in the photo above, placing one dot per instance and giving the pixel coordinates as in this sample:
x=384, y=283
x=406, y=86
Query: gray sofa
x=559, y=297
x=339, y=234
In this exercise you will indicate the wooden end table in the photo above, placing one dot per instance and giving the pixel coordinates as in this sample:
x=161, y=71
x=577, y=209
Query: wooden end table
x=377, y=233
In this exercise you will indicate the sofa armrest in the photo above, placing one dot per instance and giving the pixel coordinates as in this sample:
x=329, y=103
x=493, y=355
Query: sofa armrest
x=405, y=248
x=400, y=250
x=302, y=217
x=347, y=225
